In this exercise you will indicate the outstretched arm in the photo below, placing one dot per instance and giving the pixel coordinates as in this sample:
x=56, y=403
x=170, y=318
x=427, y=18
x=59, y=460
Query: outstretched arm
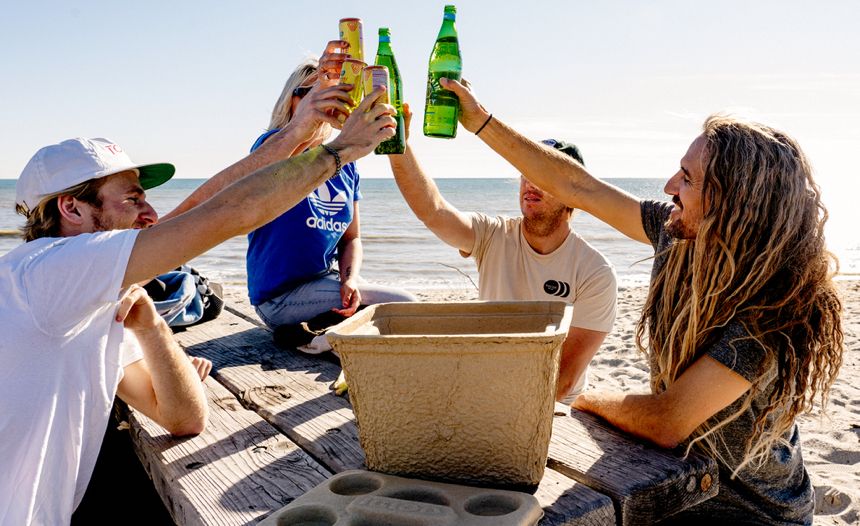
x=669, y=418
x=308, y=125
x=421, y=193
x=165, y=385
x=258, y=198
x=551, y=170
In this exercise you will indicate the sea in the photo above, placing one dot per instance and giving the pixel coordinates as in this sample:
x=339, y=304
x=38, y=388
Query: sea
x=399, y=250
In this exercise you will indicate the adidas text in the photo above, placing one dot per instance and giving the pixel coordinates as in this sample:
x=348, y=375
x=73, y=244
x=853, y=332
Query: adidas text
x=330, y=225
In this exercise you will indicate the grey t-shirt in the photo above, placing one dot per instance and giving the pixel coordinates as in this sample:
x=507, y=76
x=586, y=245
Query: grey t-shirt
x=779, y=492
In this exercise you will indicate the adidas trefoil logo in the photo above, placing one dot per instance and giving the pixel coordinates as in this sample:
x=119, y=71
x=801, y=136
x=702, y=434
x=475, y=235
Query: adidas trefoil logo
x=328, y=205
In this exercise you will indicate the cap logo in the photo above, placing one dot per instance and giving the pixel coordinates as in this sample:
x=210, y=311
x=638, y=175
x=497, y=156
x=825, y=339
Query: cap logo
x=113, y=148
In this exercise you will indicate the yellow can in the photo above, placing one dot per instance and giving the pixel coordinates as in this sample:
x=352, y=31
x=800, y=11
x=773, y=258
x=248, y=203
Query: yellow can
x=374, y=76
x=350, y=30
x=350, y=73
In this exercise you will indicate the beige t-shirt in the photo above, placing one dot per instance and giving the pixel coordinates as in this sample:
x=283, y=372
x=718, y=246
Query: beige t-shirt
x=510, y=269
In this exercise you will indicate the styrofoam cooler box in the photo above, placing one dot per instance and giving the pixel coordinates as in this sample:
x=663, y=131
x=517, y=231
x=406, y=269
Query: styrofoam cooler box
x=459, y=391
x=363, y=498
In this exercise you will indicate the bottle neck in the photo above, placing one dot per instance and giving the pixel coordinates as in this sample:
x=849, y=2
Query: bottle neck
x=384, y=48
x=447, y=29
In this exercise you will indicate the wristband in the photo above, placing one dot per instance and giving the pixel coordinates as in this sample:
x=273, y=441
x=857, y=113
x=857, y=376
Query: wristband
x=332, y=151
x=485, y=123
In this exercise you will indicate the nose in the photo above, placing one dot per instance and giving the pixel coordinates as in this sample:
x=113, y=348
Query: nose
x=148, y=216
x=672, y=185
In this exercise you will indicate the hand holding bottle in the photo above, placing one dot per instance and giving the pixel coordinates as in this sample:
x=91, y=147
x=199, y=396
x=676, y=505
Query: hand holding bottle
x=321, y=106
x=472, y=113
x=331, y=62
x=367, y=126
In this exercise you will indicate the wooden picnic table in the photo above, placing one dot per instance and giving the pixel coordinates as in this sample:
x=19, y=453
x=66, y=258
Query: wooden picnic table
x=276, y=430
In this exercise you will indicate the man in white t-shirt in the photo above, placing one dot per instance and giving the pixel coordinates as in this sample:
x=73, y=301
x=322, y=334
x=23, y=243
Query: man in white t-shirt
x=69, y=296
x=534, y=257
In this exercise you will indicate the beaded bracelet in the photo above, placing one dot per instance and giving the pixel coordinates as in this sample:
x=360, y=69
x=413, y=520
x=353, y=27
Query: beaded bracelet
x=332, y=151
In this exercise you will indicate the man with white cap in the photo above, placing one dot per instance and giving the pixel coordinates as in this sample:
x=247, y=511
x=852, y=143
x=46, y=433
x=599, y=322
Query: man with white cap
x=67, y=295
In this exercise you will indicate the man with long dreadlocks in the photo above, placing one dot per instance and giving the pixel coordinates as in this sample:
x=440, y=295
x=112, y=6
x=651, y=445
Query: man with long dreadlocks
x=742, y=322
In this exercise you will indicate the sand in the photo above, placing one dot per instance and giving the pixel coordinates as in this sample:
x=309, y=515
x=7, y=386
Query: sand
x=831, y=441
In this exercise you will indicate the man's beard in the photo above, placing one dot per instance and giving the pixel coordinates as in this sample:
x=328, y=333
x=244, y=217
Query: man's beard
x=677, y=228
x=100, y=224
x=103, y=224
x=545, y=224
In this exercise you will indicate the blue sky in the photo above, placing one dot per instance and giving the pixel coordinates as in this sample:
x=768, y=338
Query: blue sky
x=631, y=82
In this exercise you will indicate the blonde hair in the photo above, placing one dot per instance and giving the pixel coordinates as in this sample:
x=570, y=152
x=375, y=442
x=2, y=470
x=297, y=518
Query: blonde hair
x=758, y=258
x=283, y=110
x=44, y=219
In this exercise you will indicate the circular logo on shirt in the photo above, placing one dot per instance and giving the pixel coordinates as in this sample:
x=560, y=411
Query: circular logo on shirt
x=557, y=288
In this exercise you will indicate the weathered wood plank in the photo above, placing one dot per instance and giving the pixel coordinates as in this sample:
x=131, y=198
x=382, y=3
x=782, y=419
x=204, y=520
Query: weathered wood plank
x=566, y=502
x=287, y=388
x=645, y=483
x=239, y=470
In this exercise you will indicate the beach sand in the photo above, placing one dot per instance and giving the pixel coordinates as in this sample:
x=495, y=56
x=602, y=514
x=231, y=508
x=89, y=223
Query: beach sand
x=831, y=442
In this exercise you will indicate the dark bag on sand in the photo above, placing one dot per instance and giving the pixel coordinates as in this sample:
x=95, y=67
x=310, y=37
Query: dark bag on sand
x=183, y=297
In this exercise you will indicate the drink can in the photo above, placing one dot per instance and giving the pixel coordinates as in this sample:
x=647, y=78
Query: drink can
x=350, y=30
x=350, y=73
x=374, y=76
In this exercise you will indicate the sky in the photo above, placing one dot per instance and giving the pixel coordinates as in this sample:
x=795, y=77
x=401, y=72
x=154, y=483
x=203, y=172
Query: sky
x=193, y=82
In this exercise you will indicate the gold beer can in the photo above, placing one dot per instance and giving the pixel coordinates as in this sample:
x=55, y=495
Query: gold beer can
x=350, y=30
x=350, y=73
x=374, y=76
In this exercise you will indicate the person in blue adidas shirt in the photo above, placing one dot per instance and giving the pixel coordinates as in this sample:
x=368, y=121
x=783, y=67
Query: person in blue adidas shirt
x=291, y=261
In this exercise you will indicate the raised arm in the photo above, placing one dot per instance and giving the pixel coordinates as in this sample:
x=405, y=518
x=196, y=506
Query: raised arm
x=421, y=193
x=551, y=170
x=258, y=198
x=308, y=125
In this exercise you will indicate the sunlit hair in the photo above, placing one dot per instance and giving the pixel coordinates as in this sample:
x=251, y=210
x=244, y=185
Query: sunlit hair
x=44, y=219
x=283, y=110
x=758, y=258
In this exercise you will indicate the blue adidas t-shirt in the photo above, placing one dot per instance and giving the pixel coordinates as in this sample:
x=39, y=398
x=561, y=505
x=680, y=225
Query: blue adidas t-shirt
x=300, y=244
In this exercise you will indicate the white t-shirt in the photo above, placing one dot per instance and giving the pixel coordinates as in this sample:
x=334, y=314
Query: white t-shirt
x=61, y=359
x=510, y=269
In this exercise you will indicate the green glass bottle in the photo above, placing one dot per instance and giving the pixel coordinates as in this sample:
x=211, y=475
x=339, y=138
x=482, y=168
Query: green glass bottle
x=385, y=57
x=442, y=107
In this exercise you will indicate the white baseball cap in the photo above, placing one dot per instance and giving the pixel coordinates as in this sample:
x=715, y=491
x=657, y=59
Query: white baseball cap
x=61, y=166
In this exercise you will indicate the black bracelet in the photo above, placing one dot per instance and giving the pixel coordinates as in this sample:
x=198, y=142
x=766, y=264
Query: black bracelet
x=485, y=123
x=332, y=151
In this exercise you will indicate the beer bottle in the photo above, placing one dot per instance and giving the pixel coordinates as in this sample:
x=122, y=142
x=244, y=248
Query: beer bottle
x=385, y=57
x=442, y=107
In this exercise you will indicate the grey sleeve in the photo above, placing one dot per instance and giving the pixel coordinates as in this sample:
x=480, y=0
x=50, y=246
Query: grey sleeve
x=654, y=216
x=739, y=352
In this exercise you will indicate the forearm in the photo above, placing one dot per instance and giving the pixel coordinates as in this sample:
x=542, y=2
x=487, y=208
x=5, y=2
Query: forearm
x=566, y=179
x=350, y=255
x=267, y=154
x=644, y=416
x=552, y=171
x=242, y=207
x=420, y=192
x=423, y=197
x=178, y=402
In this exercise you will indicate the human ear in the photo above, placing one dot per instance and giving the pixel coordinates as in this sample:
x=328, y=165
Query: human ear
x=68, y=207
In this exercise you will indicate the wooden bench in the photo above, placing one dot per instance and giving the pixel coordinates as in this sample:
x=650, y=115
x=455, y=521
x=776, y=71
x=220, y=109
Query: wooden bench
x=284, y=396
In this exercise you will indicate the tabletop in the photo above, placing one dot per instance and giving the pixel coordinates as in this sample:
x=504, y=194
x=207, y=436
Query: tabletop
x=276, y=430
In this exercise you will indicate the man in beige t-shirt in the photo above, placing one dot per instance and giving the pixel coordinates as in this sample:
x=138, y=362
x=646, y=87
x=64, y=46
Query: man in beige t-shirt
x=534, y=257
